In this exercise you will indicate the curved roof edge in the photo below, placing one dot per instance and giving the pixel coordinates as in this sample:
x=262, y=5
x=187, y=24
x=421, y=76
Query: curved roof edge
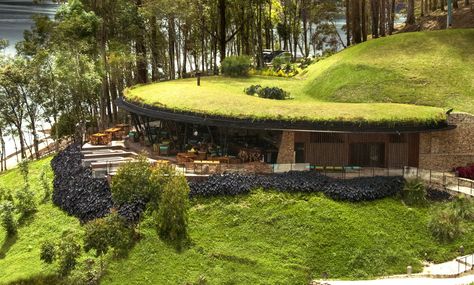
x=218, y=121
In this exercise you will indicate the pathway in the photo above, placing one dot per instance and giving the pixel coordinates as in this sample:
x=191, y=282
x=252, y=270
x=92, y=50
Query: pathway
x=446, y=273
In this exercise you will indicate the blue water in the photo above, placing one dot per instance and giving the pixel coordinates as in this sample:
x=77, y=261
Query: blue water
x=15, y=17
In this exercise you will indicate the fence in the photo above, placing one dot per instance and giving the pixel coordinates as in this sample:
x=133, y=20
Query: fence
x=445, y=179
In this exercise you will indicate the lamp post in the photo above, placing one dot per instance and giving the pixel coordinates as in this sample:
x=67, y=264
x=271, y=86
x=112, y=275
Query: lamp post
x=450, y=14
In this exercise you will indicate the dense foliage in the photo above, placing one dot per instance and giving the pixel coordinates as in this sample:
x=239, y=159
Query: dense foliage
x=236, y=66
x=275, y=93
x=65, y=251
x=357, y=189
x=414, y=193
x=172, y=216
x=7, y=219
x=466, y=172
x=445, y=225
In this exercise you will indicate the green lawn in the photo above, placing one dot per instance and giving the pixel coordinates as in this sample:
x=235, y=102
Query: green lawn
x=275, y=238
x=262, y=238
x=19, y=256
x=397, y=72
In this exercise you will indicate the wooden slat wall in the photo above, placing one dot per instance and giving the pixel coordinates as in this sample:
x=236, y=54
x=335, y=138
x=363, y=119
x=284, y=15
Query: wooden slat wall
x=337, y=154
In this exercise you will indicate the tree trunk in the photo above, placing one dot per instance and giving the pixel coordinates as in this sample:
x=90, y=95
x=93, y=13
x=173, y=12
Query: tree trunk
x=383, y=18
x=171, y=46
x=411, y=12
x=140, y=49
x=221, y=6
x=455, y=4
x=364, y=20
x=154, y=50
x=348, y=23
x=356, y=28
x=374, y=6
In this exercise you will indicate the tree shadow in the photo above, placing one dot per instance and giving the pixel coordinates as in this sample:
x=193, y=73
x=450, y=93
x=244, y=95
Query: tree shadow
x=7, y=244
x=40, y=280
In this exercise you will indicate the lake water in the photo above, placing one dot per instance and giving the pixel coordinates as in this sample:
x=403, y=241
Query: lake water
x=15, y=17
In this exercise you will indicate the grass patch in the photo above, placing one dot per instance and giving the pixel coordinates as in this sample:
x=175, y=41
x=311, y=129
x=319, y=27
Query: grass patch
x=411, y=77
x=19, y=255
x=280, y=238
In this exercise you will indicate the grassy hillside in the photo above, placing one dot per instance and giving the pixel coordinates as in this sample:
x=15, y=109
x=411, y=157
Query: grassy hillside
x=277, y=238
x=19, y=256
x=426, y=68
x=261, y=238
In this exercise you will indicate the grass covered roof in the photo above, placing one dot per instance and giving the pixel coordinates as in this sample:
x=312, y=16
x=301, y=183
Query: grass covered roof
x=405, y=78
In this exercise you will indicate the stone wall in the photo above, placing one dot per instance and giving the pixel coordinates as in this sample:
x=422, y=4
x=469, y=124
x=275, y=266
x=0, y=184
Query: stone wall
x=286, y=151
x=445, y=150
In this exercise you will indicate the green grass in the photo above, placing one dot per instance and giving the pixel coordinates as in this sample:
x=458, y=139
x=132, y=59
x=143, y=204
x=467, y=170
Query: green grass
x=277, y=238
x=19, y=256
x=391, y=79
x=261, y=238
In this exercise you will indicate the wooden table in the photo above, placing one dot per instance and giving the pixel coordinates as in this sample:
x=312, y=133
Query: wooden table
x=100, y=139
x=209, y=163
x=115, y=133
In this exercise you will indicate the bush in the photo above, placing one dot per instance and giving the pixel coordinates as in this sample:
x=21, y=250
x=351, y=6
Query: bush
x=45, y=183
x=414, y=193
x=173, y=210
x=462, y=207
x=267, y=92
x=445, y=225
x=236, y=66
x=132, y=181
x=7, y=219
x=66, y=251
x=24, y=167
x=466, y=172
x=105, y=233
x=26, y=203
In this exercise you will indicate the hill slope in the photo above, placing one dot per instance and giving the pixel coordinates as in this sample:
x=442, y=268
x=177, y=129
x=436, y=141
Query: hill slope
x=424, y=68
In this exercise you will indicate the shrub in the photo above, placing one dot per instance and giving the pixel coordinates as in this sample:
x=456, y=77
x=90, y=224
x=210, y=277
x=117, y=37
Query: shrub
x=45, y=183
x=236, y=66
x=466, y=172
x=105, y=233
x=445, y=225
x=414, y=192
x=26, y=203
x=132, y=181
x=48, y=252
x=267, y=92
x=173, y=211
x=66, y=251
x=24, y=169
x=252, y=90
x=7, y=219
x=462, y=207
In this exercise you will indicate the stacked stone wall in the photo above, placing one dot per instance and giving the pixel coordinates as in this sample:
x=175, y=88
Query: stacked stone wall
x=446, y=150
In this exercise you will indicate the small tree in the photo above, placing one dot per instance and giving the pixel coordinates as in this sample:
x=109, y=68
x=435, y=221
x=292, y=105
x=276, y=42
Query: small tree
x=7, y=219
x=132, y=181
x=236, y=66
x=173, y=210
x=26, y=203
x=45, y=183
x=106, y=233
x=24, y=167
x=66, y=251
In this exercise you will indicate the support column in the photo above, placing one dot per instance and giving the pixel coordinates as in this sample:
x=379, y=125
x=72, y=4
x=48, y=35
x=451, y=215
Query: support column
x=286, y=151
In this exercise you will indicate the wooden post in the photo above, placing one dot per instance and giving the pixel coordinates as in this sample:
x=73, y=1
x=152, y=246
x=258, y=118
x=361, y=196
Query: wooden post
x=198, y=76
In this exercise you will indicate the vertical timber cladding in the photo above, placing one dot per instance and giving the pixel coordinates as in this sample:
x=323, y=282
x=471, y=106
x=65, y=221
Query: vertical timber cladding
x=445, y=150
x=364, y=149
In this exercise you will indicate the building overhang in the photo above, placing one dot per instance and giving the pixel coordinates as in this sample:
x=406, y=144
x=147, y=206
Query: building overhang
x=280, y=125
